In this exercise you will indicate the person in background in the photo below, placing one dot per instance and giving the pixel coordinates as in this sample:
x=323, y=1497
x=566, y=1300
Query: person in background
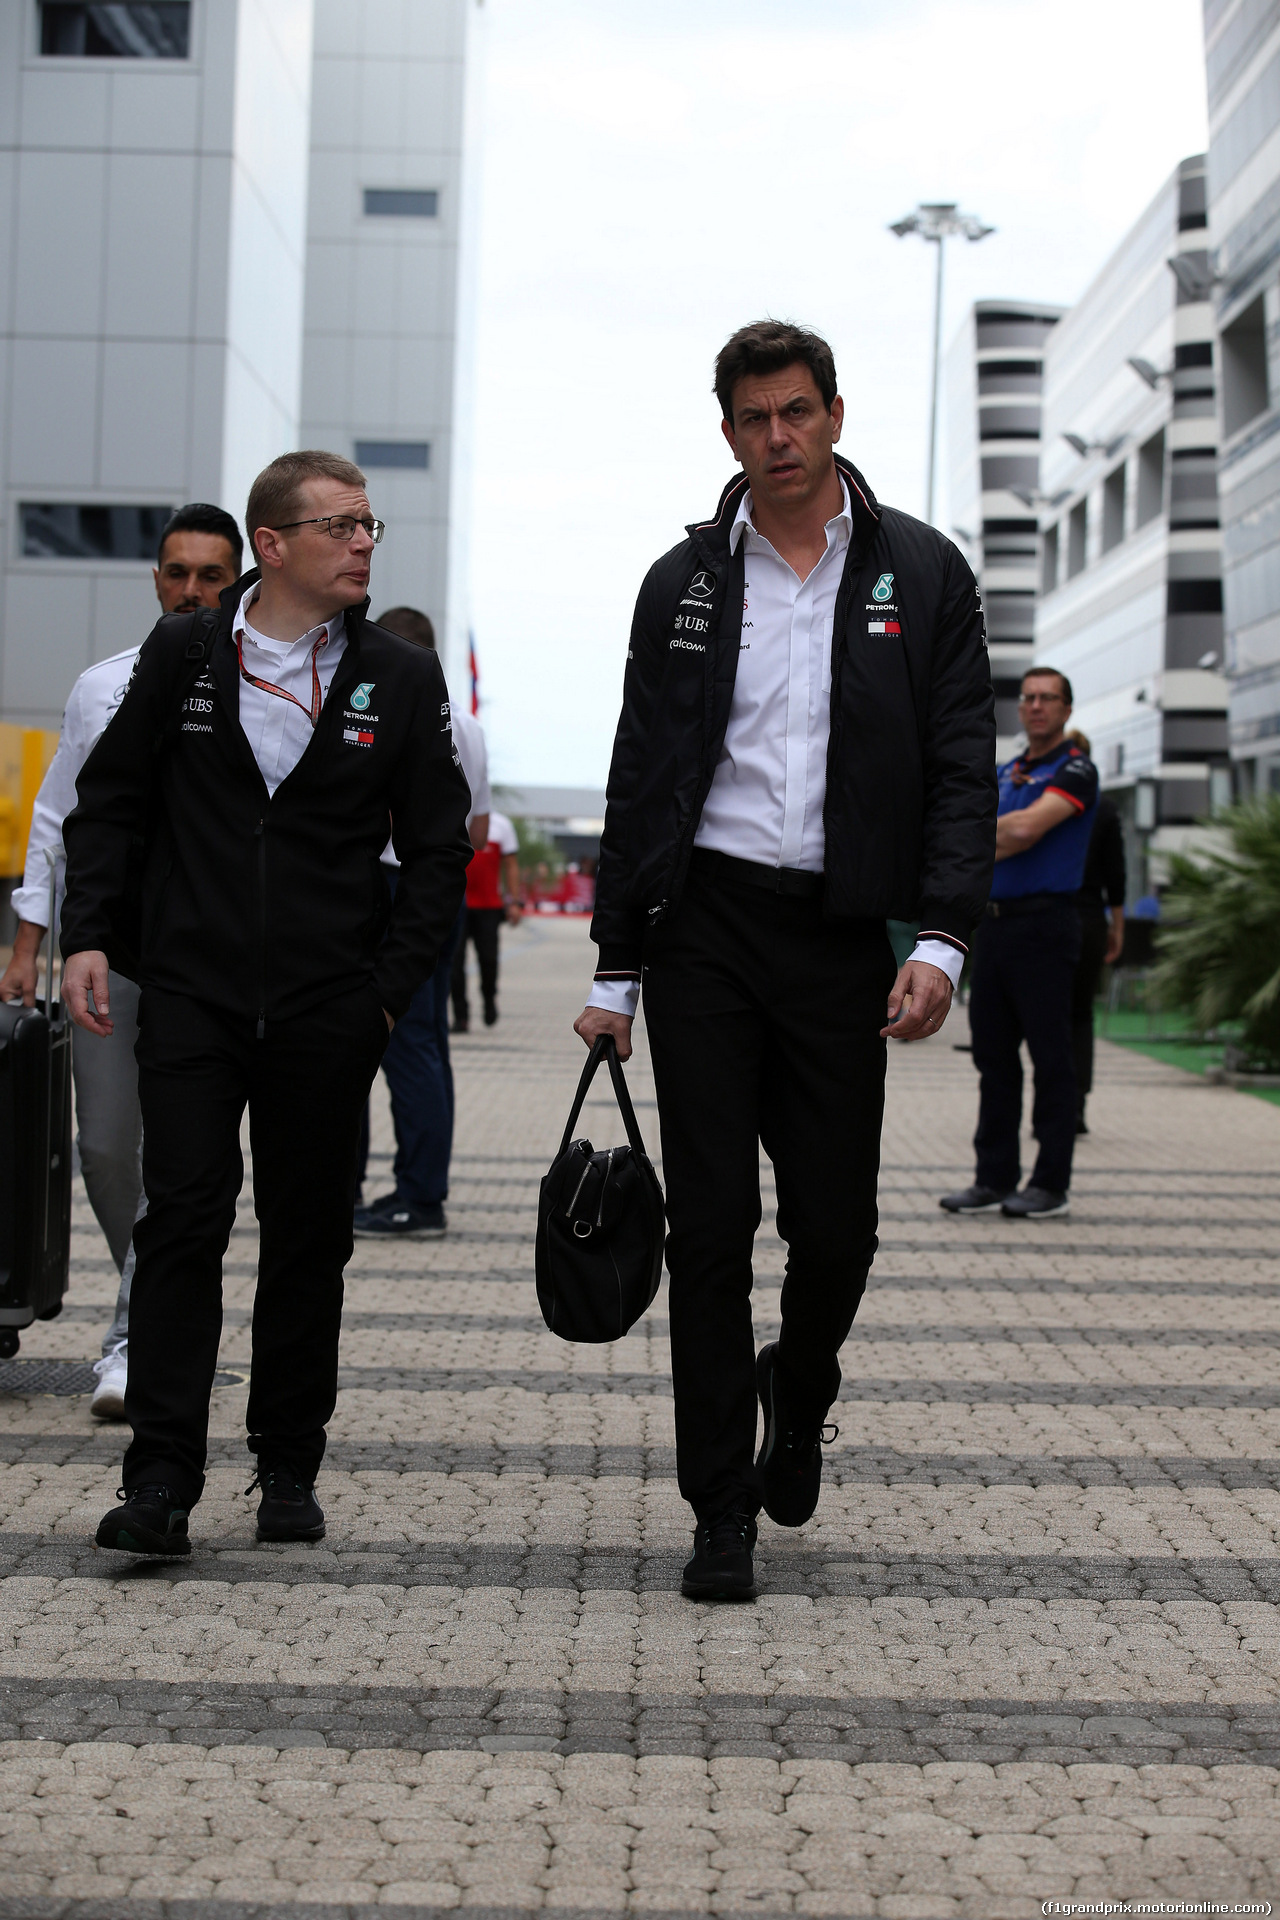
x=416, y=1062
x=493, y=894
x=200, y=554
x=260, y=755
x=1101, y=906
x=1024, y=961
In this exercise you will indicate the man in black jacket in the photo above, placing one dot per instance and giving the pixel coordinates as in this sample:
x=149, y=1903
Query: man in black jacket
x=252, y=772
x=806, y=749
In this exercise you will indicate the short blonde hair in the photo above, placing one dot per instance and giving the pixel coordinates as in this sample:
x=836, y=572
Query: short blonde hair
x=274, y=495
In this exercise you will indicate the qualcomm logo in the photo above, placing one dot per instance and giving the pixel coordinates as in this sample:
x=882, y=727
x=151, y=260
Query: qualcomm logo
x=883, y=588
x=360, y=698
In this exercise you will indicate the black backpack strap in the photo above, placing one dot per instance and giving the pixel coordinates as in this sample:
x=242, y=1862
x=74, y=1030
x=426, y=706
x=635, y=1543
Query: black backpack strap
x=605, y=1048
x=200, y=639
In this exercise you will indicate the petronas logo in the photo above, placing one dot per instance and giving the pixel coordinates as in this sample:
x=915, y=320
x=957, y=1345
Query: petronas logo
x=883, y=588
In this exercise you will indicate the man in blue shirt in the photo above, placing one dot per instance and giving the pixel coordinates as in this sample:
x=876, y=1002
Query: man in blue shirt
x=1024, y=956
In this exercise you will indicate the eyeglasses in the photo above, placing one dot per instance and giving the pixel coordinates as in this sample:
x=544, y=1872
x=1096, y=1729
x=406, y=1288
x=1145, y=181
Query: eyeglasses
x=341, y=526
x=1039, y=699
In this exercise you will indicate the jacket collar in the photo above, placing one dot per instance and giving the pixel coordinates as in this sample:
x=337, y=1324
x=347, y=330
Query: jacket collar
x=229, y=605
x=712, y=536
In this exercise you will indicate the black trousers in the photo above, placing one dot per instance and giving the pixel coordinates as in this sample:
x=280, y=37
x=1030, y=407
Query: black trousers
x=305, y=1084
x=1023, y=967
x=481, y=929
x=1084, y=991
x=763, y=1024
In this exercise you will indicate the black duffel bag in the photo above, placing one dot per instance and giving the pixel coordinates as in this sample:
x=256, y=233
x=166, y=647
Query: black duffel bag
x=600, y=1224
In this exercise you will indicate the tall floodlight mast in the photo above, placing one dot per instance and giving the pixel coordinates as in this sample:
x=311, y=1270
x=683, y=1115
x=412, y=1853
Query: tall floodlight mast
x=937, y=221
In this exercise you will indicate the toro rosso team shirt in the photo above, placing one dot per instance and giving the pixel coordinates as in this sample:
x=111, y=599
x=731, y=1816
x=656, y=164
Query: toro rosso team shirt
x=1056, y=862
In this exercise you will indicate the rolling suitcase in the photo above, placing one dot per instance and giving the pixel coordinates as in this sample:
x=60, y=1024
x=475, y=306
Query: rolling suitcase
x=35, y=1157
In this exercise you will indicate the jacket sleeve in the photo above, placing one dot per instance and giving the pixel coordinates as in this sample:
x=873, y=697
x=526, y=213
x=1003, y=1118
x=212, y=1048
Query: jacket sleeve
x=114, y=792
x=430, y=801
x=959, y=756
x=1111, y=836
x=617, y=924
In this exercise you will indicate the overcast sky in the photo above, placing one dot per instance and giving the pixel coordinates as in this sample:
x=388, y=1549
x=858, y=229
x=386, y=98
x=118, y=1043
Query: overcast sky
x=656, y=175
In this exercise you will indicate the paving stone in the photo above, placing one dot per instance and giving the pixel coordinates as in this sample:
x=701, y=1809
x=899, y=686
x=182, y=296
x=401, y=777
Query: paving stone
x=1027, y=1647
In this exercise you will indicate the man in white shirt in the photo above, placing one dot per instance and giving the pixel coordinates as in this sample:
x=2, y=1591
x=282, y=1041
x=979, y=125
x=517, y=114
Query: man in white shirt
x=416, y=1063
x=259, y=757
x=199, y=555
x=806, y=750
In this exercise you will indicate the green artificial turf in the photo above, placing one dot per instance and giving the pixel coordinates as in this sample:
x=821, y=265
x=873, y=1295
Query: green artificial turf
x=1159, y=1036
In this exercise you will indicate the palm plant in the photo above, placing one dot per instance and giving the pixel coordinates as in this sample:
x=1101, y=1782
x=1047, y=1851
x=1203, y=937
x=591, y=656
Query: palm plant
x=1219, y=952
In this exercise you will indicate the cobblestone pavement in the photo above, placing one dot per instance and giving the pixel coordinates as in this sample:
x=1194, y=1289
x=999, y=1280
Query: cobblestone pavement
x=1027, y=1649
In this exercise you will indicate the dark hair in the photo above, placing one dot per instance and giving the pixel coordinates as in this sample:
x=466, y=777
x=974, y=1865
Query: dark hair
x=199, y=517
x=409, y=624
x=767, y=346
x=1052, y=673
x=275, y=494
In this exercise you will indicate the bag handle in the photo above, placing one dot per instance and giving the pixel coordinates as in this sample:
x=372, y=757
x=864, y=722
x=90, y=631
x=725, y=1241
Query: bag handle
x=605, y=1048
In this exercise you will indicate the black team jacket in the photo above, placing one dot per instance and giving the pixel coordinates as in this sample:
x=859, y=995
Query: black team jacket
x=184, y=871
x=911, y=788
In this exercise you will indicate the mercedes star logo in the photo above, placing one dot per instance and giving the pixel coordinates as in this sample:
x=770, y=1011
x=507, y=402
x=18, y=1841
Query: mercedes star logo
x=702, y=586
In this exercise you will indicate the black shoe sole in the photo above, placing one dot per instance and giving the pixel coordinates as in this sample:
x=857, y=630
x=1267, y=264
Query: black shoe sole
x=716, y=1590
x=291, y=1533
x=964, y=1213
x=781, y=1515
x=134, y=1539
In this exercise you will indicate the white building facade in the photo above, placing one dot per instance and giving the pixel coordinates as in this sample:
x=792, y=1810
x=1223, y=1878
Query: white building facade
x=995, y=372
x=1131, y=599
x=1242, y=60
x=188, y=287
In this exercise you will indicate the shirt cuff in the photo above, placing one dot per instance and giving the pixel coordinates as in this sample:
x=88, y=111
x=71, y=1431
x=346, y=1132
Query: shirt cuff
x=940, y=953
x=615, y=996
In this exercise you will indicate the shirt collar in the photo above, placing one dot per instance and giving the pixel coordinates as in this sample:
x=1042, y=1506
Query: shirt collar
x=744, y=526
x=240, y=625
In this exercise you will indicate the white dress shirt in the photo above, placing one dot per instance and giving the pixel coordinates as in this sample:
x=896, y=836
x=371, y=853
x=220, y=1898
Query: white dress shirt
x=770, y=784
x=278, y=731
x=91, y=703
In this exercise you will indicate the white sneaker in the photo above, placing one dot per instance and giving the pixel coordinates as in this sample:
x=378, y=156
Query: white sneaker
x=112, y=1371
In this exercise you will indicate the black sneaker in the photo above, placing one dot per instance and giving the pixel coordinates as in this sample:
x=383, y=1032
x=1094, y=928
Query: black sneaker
x=491, y=1013
x=721, y=1567
x=288, y=1509
x=149, y=1521
x=1036, y=1203
x=974, y=1199
x=400, y=1221
x=790, y=1457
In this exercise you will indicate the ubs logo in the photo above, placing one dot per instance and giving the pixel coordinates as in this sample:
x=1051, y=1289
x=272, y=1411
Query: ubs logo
x=702, y=586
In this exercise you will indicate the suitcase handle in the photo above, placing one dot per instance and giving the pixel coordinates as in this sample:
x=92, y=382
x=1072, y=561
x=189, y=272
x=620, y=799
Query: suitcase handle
x=52, y=858
x=605, y=1048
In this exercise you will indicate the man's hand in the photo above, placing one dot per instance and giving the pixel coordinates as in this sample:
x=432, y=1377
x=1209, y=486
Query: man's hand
x=84, y=974
x=1115, y=940
x=593, y=1021
x=919, y=1003
x=515, y=913
x=18, y=982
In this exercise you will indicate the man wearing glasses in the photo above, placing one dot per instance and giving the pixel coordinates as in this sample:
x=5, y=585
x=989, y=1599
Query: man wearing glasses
x=225, y=851
x=1024, y=958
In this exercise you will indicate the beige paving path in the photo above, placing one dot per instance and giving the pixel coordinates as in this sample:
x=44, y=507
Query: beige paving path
x=1027, y=1650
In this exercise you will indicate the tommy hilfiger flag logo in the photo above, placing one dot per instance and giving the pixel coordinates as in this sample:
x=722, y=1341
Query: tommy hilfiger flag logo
x=355, y=738
x=883, y=626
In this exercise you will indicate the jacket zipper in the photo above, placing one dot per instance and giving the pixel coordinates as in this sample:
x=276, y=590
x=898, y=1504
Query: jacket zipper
x=260, y=834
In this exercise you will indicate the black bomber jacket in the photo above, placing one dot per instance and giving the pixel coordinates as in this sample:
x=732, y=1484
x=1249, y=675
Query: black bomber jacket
x=266, y=905
x=911, y=795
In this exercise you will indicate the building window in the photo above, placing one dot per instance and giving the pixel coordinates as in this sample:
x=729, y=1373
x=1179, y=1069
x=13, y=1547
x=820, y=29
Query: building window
x=415, y=454
x=1113, y=496
x=1077, y=527
x=1244, y=368
x=1049, y=573
x=1151, y=478
x=131, y=32
x=60, y=532
x=402, y=203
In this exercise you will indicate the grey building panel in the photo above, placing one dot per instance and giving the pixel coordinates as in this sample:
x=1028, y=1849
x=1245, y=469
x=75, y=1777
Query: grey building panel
x=1001, y=471
x=1008, y=423
x=1255, y=117
x=1230, y=53
x=1195, y=736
